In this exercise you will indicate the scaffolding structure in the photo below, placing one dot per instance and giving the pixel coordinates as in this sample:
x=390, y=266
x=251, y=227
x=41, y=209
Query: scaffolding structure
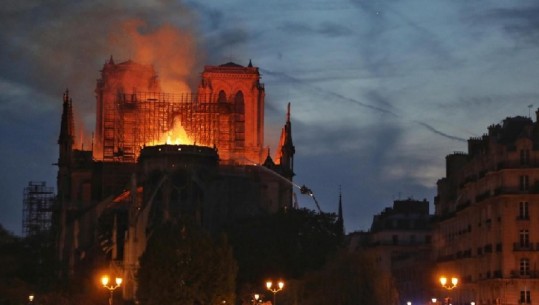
x=38, y=201
x=138, y=119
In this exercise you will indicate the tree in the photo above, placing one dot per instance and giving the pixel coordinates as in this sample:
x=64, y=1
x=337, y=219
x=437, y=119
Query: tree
x=349, y=279
x=288, y=244
x=183, y=265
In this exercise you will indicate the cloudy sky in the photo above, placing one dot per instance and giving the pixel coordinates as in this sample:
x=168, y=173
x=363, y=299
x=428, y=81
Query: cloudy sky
x=381, y=91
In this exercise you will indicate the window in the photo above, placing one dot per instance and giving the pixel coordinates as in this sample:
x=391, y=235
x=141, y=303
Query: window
x=222, y=97
x=524, y=266
x=524, y=156
x=523, y=210
x=525, y=297
x=524, y=238
x=524, y=183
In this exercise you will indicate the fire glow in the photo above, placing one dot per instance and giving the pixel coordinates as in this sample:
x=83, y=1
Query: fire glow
x=176, y=135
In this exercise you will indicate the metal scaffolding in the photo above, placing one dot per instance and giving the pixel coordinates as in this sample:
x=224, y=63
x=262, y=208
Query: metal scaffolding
x=137, y=119
x=38, y=202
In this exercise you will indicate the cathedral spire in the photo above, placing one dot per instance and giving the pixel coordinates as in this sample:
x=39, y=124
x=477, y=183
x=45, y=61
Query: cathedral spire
x=340, y=218
x=286, y=149
x=67, y=123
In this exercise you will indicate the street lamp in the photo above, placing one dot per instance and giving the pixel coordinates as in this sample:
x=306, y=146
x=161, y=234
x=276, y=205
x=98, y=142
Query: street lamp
x=269, y=285
x=105, y=281
x=446, y=285
x=30, y=299
x=434, y=300
x=449, y=286
x=256, y=298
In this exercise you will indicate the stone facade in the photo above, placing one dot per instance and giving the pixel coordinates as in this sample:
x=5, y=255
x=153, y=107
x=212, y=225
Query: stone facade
x=487, y=210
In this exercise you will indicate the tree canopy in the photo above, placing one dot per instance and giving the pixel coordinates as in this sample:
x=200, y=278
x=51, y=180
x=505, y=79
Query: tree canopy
x=182, y=265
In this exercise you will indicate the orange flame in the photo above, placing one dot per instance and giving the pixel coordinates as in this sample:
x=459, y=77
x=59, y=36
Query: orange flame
x=176, y=135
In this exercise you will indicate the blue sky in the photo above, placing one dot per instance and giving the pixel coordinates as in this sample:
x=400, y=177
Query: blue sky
x=381, y=91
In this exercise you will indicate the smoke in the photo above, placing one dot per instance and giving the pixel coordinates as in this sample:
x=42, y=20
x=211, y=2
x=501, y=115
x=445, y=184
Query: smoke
x=171, y=50
x=53, y=45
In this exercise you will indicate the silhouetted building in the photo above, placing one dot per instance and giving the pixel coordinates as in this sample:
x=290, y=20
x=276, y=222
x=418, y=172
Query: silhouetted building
x=400, y=241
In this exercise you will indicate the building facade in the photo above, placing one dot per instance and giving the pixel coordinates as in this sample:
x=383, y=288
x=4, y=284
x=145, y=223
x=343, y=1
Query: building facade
x=227, y=112
x=400, y=240
x=135, y=176
x=487, y=211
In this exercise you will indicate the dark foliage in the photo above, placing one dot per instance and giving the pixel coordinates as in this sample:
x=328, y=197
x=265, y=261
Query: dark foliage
x=349, y=279
x=286, y=244
x=183, y=265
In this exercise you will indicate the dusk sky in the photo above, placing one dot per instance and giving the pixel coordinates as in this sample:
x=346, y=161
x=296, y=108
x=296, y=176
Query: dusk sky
x=380, y=91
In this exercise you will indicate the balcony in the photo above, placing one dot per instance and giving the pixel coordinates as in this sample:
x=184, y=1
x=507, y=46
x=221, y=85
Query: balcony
x=525, y=247
x=529, y=274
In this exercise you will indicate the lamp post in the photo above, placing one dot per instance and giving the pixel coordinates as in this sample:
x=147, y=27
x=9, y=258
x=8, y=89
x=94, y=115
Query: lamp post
x=31, y=299
x=269, y=286
x=105, y=281
x=449, y=285
x=434, y=300
x=256, y=298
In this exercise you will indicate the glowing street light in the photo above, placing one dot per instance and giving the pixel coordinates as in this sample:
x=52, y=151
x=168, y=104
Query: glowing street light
x=256, y=298
x=269, y=286
x=446, y=285
x=105, y=280
x=434, y=300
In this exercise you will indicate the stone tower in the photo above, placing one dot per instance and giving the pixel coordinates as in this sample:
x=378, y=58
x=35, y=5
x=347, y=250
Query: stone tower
x=240, y=97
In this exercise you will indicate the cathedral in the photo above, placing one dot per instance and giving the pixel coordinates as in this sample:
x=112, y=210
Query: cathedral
x=157, y=156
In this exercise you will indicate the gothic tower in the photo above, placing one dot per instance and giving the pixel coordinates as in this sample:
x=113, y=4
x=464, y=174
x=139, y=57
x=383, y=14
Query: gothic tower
x=238, y=92
x=116, y=115
x=63, y=180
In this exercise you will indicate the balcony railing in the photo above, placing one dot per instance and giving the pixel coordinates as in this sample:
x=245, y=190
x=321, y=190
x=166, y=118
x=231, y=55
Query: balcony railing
x=526, y=247
x=529, y=274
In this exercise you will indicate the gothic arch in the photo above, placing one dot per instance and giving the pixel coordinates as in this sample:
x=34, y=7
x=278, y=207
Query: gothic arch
x=221, y=98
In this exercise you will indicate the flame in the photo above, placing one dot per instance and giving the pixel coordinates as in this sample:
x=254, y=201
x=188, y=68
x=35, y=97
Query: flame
x=176, y=135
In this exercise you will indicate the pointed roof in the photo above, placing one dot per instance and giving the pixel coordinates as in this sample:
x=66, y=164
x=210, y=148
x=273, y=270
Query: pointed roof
x=67, y=129
x=285, y=141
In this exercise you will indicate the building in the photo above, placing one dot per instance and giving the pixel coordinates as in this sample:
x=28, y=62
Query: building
x=487, y=211
x=400, y=240
x=136, y=175
x=227, y=111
